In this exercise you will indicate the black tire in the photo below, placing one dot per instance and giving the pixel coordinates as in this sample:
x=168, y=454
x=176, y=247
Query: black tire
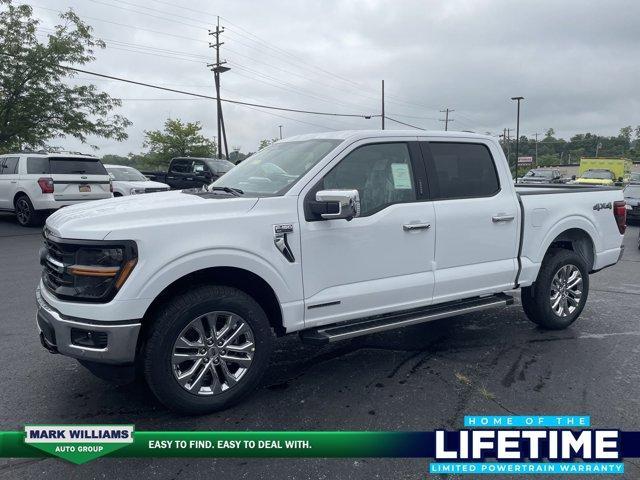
x=116, y=194
x=26, y=215
x=536, y=299
x=174, y=316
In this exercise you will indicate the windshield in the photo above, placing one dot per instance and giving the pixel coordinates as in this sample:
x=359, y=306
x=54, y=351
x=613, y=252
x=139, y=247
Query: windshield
x=635, y=177
x=274, y=169
x=220, y=166
x=126, y=174
x=632, y=191
x=598, y=174
x=539, y=173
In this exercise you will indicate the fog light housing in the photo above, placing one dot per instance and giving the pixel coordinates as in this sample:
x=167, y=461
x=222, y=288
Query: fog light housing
x=88, y=338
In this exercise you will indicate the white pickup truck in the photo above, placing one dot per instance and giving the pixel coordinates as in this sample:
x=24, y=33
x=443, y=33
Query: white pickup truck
x=333, y=236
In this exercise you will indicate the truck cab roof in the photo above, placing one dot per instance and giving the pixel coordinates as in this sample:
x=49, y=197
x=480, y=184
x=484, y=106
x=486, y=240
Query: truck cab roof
x=355, y=135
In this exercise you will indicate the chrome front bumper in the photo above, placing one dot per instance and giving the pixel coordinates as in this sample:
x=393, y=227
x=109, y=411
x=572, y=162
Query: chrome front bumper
x=55, y=334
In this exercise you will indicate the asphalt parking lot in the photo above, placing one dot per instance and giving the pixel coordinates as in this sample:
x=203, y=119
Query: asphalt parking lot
x=420, y=378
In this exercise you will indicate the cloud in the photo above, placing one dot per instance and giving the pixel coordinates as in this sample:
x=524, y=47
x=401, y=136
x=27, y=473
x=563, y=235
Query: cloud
x=575, y=63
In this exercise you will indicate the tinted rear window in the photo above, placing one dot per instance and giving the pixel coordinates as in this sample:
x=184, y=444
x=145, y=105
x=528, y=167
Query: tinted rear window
x=37, y=165
x=221, y=165
x=462, y=170
x=10, y=165
x=76, y=166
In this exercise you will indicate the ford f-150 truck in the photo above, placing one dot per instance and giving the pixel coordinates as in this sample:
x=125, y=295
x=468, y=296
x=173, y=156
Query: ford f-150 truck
x=332, y=236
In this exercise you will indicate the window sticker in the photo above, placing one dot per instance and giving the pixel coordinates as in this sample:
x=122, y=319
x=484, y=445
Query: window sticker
x=401, y=177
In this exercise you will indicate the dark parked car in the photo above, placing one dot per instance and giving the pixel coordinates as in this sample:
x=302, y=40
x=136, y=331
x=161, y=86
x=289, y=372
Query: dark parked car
x=191, y=172
x=632, y=197
x=542, y=175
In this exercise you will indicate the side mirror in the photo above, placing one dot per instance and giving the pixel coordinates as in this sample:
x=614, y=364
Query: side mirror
x=620, y=179
x=334, y=204
x=573, y=177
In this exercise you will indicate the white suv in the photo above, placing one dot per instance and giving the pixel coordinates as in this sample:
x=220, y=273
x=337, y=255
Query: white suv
x=34, y=184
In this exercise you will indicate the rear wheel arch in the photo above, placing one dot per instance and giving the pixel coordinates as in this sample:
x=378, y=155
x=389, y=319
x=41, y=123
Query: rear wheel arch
x=19, y=193
x=576, y=240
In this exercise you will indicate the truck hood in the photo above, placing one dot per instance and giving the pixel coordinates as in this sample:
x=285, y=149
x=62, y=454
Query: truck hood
x=95, y=220
x=139, y=184
x=594, y=181
x=535, y=180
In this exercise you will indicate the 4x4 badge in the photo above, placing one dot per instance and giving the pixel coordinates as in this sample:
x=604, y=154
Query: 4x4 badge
x=600, y=206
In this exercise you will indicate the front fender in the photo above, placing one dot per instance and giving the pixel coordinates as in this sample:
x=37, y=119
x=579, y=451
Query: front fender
x=225, y=257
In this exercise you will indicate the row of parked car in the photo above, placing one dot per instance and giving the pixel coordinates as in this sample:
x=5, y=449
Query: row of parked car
x=32, y=185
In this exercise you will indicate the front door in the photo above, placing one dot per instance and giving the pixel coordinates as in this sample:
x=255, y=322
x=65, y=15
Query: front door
x=378, y=262
x=478, y=220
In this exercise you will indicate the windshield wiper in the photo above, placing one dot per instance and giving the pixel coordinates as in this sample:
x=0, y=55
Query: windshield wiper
x=233, y=191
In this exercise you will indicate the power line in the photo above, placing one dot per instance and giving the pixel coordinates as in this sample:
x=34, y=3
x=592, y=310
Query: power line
x=403, y=123
x=260, y=44
x=227, y=100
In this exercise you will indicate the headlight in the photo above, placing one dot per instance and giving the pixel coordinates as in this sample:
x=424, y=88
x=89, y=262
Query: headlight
x=136, y=191
x=88, y=270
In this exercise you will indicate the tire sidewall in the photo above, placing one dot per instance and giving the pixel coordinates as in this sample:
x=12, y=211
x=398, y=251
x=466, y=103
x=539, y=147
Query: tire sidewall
x=159, y=348
x=543, y=288
x=27, y=202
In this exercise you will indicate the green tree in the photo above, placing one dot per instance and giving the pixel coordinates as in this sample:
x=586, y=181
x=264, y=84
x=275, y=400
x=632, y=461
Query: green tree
x=178, y=139
x=36, y=102
x=266, y=142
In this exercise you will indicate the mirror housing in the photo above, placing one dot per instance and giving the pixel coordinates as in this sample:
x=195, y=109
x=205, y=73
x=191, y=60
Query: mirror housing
x=338, y=204
x=573, y=177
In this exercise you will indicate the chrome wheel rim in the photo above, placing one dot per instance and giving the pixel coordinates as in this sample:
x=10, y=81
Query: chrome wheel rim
x=213, y=353
x=22, y=211
x=566, y=290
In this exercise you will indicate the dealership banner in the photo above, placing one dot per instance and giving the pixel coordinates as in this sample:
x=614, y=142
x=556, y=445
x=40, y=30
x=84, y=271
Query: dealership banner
x=486, y=445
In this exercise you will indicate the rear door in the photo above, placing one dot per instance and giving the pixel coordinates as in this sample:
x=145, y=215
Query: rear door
x=179, y=170
x=8, y=181
x=78, y=179
x=477, y=216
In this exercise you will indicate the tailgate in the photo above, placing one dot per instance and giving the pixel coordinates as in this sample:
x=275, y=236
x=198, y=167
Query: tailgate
x=79, y=179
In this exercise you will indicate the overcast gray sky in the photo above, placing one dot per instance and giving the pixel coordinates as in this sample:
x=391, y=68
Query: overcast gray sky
x=575, y=62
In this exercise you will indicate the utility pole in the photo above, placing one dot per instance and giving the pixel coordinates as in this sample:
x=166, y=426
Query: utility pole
x=508, y=140
x=218, y=68
x=517, y=132
x=280, y=127
x=536, y=135
x=446, y=119
x=382, y=105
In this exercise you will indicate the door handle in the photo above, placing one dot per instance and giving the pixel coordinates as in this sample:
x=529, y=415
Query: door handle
x=407, y=227
x=502, y=217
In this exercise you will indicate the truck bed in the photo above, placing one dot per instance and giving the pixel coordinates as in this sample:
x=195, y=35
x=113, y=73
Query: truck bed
x=544, y=217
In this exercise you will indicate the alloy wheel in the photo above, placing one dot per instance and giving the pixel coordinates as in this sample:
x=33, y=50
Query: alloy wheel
x=566, y=290
x=23, y=211
x=213, y=353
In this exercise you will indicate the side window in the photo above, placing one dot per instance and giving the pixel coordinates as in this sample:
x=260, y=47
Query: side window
x=461, y=170
x=181, y=166
x=38, y=165
x=199, y=168
x=381, y=173
x=10, y=166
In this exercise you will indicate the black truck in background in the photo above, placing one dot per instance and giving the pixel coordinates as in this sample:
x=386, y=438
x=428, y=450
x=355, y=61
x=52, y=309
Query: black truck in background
x=191, y=172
